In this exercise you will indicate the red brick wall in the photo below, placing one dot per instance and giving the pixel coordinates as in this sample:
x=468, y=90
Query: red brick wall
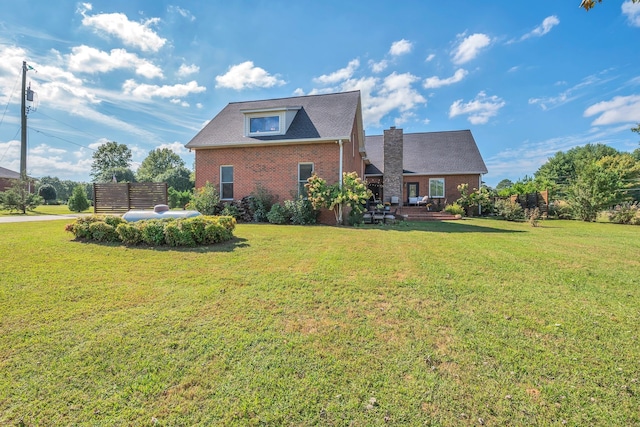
x=275, y=167
x=451, y=182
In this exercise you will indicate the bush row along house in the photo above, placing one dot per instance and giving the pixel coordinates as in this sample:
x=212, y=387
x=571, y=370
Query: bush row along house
x=279, y=143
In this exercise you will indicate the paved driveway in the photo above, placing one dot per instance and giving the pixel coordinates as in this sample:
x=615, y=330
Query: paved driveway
x=25, y=218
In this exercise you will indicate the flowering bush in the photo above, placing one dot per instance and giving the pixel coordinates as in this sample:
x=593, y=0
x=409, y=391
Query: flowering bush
x=353, y=194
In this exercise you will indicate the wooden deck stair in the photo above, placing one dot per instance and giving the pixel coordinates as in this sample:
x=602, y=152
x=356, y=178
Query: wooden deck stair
x=420, y=213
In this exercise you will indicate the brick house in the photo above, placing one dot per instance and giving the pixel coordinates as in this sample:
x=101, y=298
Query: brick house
x=279, y=143
x=8, y=178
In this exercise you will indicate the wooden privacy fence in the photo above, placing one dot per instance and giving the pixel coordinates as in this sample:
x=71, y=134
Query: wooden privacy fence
x=538, y=200
x=118, y=198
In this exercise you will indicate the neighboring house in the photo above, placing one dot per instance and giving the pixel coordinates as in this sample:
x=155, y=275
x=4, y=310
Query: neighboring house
x=279, y=143
x=8, y=178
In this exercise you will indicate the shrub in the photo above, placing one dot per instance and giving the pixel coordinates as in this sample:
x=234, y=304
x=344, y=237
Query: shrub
x=532, y=216
x=152, y=231
x=278, y=214
x=560, y=209
x=509, y=210
x=178, y=199
x=177, y=235
x=625, y=213
x=301, y=211
x=47, y=192
x=129, y=233
x=80, y=228
x=205, y=200
x=454, y=209
x=230, y=210
x=100, y=231
x=18, y=198
x=78, y=201
x=260, y=203
x=155, y=232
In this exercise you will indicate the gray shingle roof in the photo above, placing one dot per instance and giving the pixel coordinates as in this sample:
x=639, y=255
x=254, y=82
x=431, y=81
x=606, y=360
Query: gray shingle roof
x=430, y=153
x=7, y=173
x=328, y=116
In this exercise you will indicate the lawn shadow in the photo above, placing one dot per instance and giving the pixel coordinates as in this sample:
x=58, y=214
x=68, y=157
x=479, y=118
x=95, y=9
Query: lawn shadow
x=230, y=246
x=457, y=226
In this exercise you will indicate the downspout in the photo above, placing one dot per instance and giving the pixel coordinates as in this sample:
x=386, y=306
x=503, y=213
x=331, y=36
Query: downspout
x=340, y=178
x=479, y=189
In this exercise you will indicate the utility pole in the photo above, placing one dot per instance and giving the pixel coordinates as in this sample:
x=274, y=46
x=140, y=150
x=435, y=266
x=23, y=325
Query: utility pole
x=23, y=115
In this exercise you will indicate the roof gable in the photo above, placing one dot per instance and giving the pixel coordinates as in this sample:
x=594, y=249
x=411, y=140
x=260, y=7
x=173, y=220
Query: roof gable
x=430, y=153
x=318, y=117
x=7, y=173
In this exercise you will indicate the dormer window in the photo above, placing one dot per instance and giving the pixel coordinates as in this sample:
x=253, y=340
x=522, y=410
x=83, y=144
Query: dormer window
x=268, y=121
x=267, y=124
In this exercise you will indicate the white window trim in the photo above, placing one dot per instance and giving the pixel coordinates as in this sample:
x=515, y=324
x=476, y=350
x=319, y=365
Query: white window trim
x=247, y=123
x=443, y=188
x=226, y=182
x=313, y=169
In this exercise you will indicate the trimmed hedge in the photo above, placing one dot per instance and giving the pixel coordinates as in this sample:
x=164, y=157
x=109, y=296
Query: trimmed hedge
x=200, y=230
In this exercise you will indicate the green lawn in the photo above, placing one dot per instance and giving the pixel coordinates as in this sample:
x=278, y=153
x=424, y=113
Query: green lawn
x=46, y=210
x=455, y=323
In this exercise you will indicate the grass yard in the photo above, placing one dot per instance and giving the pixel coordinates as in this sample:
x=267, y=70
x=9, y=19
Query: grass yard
x=45, y=210
x=445, y=324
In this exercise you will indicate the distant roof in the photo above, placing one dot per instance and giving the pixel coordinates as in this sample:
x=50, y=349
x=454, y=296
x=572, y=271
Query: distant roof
x=320, y=117
x=6, y=173
x=430, y=153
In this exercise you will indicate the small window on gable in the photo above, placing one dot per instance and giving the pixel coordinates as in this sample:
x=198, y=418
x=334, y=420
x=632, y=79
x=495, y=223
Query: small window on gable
x=305, y=171
x=267, y=124
x=226, y=182
x=436, y=187
x=268, y=121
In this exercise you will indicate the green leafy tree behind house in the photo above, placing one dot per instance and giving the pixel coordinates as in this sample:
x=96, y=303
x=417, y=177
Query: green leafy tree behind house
x=112, y=159
x=47, y=192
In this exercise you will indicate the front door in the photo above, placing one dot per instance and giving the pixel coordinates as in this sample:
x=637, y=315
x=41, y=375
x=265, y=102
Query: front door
x=413, y=189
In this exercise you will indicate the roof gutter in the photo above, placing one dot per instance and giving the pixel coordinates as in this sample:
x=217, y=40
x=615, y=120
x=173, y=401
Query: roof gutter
x=258, y=143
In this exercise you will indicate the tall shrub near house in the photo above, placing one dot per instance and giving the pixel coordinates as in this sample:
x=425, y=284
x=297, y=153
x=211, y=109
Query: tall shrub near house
x=205, y=200
x=472, y=200
x=352, y=194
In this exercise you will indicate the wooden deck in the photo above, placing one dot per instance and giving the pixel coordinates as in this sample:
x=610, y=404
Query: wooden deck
x=420, y=213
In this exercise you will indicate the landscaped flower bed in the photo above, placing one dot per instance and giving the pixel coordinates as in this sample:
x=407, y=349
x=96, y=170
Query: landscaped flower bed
x=201, y=230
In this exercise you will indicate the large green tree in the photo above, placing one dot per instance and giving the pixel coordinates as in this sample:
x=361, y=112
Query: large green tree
x=588, y=4
x=109, y=158
x=158, y=162
x=563, y=167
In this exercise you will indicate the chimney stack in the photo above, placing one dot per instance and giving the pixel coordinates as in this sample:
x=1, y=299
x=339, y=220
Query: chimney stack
x=392, y=179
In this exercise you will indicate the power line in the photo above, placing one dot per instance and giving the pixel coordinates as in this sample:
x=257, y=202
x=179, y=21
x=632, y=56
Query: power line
x=10, y=98
x=7, y=150
x=67, y=124
x=62, y=139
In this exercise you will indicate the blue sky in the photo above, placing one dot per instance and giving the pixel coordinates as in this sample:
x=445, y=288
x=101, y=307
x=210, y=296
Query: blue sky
x=527, y=78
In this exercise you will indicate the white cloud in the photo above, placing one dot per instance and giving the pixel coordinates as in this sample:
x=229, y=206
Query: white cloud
x=339, y=75
x=479, y=110
x=179, y=102
x=469, y=47
x=547, y=24
x=187, y=70
x=430, y=57
x=400, y=47
x=145, y=91
x=632, y=11
x=568, y=95
x=378, y=67
x=185, y=13
x=436, y=82
x=176, y=147
x=298, y=92
x=620, y=109
x=246, y=75
x=131, y=33
x=89, y=60
x=396, y=92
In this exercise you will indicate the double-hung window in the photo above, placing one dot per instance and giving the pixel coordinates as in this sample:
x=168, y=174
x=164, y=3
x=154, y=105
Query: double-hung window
x=436, y=188
x=226, y=182
x=305, y=171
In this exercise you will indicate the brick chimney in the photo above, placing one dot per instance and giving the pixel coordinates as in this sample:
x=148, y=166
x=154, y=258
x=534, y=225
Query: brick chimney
x=392, y=179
